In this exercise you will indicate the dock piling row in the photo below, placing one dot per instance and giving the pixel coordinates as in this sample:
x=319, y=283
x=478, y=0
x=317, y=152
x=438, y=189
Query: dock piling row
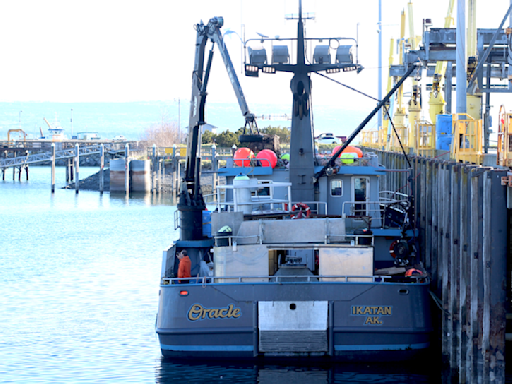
x=463, y=219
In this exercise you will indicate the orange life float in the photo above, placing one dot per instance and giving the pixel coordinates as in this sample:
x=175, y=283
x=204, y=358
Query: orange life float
x=301, y=207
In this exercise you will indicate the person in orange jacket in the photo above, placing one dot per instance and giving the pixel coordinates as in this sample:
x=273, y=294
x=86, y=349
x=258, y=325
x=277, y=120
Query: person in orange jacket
x=184, y=267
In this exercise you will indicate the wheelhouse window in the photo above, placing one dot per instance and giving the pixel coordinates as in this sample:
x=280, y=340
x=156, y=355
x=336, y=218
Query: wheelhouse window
x=336, y=188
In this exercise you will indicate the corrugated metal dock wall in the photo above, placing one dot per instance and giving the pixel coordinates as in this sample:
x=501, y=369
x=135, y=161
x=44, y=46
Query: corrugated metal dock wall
x=462, y=216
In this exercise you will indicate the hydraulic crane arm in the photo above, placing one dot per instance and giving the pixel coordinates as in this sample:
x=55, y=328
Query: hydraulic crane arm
x=191, y=202
x=49, y=125
x=212, y=32
x=217, y=38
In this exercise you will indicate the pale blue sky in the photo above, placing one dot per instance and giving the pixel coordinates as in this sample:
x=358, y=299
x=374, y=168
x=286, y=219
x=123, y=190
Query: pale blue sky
x=112, y=50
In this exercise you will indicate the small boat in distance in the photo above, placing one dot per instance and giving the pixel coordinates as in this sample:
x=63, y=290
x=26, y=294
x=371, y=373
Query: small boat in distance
x=55, y=133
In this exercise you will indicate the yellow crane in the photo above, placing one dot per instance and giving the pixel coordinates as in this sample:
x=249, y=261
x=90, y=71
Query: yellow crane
x=436, y=100
x=20, y=131
x=414, y=106
x=400, y=112
x=49, y=125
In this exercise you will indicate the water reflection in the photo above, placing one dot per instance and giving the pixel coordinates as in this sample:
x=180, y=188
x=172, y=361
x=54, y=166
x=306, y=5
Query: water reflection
x=143, y=198
x=170, y=371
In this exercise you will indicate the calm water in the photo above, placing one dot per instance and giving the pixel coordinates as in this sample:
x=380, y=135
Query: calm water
x=79, y=280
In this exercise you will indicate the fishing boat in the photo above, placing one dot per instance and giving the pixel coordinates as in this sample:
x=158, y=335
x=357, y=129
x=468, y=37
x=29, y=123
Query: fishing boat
x=300, y=258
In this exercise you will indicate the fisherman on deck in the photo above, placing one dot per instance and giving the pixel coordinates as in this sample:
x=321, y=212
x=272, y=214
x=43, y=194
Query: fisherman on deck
x=185, y=266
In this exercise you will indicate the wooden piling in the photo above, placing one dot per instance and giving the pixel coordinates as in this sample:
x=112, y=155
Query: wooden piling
x=153, y=170
x=495, y=278
x=77, y=169
x=445, y=257
x=465, y=288
x=127, y=169
x=428, y=214
x=160, y=176
x=53, y=167
x=464, y=237
x=435, y=227
x=102, y=165
x=454, y=297
x=420, y=208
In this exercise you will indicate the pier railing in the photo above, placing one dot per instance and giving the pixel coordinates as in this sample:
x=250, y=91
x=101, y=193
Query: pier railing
x=47, y=156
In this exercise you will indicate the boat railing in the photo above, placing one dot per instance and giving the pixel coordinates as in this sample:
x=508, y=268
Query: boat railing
x=239, y=202
x=313, y=205
x=360, y=209
x=235, y=240
x=372, y=209
x=393, y=196
x=322, y=279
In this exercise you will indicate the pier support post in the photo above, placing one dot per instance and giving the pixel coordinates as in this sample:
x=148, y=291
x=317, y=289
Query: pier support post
x=454, y=295
x=494, y=259
x=26, y=172
x=178, y=176
x=102, y=165
x=69, y=171
x=435, y=227
x=173, y=178
x=53, y=167
x=464, y=261
x=160, y=175
x=476, y=228
x=153, y=170
x=68, y=177
x=77, y=169
x=445, y=256
x=127, y=169
x=421, y=223
x=448, y=88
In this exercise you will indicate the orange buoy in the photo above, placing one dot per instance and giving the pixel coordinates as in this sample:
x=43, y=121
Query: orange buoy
x=349, y=149
x=243, y=153
x=269, y=158
x=413, y=272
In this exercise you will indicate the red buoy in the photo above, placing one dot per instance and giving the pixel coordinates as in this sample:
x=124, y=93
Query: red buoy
x=269, y=158
x=243, y=153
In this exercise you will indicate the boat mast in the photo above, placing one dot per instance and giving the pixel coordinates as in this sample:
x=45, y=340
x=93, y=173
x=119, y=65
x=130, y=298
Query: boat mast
x=301, y=140
x=379, y=66
x=302, y=152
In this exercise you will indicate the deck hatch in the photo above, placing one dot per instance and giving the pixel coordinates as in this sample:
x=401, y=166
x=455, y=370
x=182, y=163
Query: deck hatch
x=292, y=326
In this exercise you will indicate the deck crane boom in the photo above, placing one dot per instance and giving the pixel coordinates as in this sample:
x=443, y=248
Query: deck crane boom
x=191, y=202
x=49, y=125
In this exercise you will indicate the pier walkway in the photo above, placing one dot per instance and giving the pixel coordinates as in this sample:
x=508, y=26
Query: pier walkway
x=20, y=161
